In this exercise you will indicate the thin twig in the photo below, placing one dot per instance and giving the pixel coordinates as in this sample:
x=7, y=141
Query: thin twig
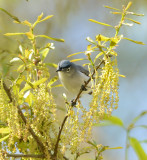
x=59, y=135
x=25, y=155
x=7, y=91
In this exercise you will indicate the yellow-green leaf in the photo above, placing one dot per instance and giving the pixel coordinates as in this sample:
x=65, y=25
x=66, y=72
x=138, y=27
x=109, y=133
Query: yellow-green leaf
x=112, y=8
x=30, y=85
x=4, y=138
x=58, y=85
x=113, y=120
x=97, y=56
x=139, y=116
x=91, y=40
x=102, y=38
x=128, y=5
x=133, y=20
x=75, y=60
x=116, y=12
x=113, y=53
x=29, y=35
x=12, y=16
x=75, y=54
x=55, y=39
x=52, y=81
x=137, y=42
x=15, y=59
x=4, y=130
x=44, y=53
x=120, y=75
x=14, y=34
x=40, y=17
x=104, y=24
x=52, y=65
x=37, y=83
x=136, y=14
x=138, y=148
x=46, y=18
x=115, y=148
x=26, y=23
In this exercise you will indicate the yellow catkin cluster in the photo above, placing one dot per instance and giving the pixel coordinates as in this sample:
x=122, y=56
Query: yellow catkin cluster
x=105, y=93
x=43, y=116
x=40, y=116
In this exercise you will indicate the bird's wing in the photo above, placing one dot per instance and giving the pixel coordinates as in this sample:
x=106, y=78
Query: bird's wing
x=83, y=70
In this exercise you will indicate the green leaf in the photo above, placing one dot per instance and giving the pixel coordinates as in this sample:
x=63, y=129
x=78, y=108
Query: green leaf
x=4, y=138
x=15, y=59
x=139, y=116
x=37, y=83
x=52, y=65
x=52, y=81
x=74, y=54
x=30, y=85
x=136, y=14
x=128, y=5
x=54, y=39
x=115, y=148
x=93, y=143
x=138, y=148
x=133, y=20
x=97, y=56
x=46, y=18
x=26, y=23
x=58, y=85
x=12, y=16
x=116, y=12
x=44, y=53
x=14, y=34
x=144, y=141
x=104, y=24
x=102, y=38
x=75, y=60
x=113, y=120
x=40, y=17
x=138, y=42
x=91, y=40
x=112, y=8
x=4, y=130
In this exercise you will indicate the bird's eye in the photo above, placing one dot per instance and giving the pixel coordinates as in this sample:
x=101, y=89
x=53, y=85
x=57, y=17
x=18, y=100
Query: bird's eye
x=68, y=69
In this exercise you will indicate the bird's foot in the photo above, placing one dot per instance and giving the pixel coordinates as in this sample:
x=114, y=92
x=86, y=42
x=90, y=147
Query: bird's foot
x=73, y=103
x=83, y=88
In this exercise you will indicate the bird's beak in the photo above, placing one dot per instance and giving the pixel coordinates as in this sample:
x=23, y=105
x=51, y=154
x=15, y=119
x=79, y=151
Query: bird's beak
x=58, y=69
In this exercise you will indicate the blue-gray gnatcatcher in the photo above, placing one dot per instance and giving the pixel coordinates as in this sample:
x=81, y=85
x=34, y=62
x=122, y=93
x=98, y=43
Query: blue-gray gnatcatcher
x=72, y=76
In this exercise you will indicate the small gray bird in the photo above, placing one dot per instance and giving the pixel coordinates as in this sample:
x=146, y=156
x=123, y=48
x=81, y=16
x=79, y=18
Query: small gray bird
x=72, y=76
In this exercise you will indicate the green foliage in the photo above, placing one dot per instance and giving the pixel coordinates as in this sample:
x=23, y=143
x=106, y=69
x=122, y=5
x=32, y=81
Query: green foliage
x=130, y=141
x=27, y=106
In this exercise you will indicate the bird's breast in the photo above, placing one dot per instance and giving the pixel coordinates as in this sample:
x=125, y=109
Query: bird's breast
x=74, y=82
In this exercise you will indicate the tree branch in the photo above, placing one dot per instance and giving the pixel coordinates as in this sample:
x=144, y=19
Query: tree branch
x=59, y=135
x=25, y=155
x=7, y=92
x=36, y=138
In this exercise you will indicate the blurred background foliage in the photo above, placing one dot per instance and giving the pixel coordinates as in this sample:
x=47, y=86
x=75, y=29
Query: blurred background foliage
x=70, y=22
